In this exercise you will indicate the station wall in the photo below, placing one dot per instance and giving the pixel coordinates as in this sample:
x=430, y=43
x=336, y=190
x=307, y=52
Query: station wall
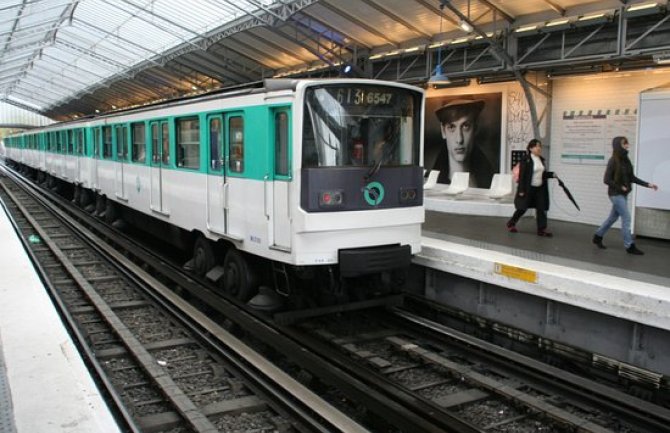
x=608, y=104
x=601, y=92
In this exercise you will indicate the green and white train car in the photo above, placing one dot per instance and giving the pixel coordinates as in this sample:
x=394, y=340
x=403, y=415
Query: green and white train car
x=303, y=175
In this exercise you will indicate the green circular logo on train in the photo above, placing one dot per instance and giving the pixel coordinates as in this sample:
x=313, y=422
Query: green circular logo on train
x=373, y=193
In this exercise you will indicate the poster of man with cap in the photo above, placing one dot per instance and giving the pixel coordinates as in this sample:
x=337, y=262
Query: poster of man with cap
x=463, y=134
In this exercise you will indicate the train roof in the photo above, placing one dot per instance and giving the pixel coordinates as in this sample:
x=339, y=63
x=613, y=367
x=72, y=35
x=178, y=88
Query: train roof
x=258, y=87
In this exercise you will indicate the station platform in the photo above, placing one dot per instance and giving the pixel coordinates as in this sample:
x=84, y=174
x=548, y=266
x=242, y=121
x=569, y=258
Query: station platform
x=565, y=268
x=44, y=384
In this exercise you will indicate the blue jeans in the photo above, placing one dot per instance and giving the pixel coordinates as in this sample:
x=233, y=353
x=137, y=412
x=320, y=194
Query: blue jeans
x=619, y=209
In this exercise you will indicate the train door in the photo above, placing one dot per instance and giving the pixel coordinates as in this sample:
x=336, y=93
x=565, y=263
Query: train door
x=121, y=132
x=58, y=155
x=43, y=150
x=217, y=188
x=76, y=137
x=160, y=157
x=71, y=157
x=281, y=215
x=95, y=156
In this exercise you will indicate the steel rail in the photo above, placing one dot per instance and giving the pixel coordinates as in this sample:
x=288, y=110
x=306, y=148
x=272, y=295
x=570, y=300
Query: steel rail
x=312, y=409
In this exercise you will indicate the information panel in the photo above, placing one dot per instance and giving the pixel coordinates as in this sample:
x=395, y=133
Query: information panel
x=587, y=137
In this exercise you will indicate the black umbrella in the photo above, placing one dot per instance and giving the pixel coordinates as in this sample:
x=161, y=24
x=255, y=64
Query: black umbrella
x=567, y=192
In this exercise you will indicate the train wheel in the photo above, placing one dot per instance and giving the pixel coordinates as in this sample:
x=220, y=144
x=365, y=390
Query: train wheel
x=203, y=256
x=238, y=278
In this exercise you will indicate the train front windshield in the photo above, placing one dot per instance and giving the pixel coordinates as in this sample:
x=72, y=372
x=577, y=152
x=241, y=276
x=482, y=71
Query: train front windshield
x=361, y=125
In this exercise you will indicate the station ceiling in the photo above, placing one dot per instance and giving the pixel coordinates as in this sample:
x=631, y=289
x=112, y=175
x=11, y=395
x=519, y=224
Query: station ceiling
x=72, y=58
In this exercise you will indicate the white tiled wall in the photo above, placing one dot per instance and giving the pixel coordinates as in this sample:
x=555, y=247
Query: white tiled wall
x=598, y=92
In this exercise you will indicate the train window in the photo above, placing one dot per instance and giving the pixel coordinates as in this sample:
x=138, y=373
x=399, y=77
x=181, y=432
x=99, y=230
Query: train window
x=70, y=142
x=139, y=143
x=80, y=142
x=215, y=143
x=155, y=151
x=281, y=144
x=188, y=143
x=59, y=142
x=122, y=143
x=165, y=136
x=361, y=125
x=107, y=142
x=236, y=144
x=96, y=143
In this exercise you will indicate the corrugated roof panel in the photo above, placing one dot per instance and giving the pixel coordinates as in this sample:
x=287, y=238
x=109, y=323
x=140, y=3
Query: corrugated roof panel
x=11, y=114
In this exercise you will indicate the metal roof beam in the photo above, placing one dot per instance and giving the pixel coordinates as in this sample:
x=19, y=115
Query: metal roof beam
x=109, y=36
x=267, y=19
x=76, y=67
x=498, y=10
x=40, y=93
x=38, y=28
x=138, y=89
x=22, y=106
x=261, y=54
x=373, y=4
x=11, y=68
x=95, y=56
x=229, y=67
x=18, y=57
x=321, y=50
x=160, y=17
x=62, y=73
x=206, y=67
x=162, y=74
x=359, y=23
x=186, y=76
x=556, y=7
x=285, y=9
x=119, y=53
x=238, y=59
x=58, y=88
x=298, y=20
x=38, y=45
x=437, y=11
x=15, y=25
x=51, y=35
x=109, y=93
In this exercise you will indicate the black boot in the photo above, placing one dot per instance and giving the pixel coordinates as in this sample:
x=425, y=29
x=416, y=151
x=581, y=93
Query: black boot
x=598, y=240
x=632, y=249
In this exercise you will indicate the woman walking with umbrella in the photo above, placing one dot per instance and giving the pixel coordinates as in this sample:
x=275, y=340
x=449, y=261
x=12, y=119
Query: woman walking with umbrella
x=619, y=178
x=532, y=191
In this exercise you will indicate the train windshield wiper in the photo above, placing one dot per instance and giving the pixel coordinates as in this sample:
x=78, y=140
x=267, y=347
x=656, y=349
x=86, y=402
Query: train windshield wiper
x=374, y=169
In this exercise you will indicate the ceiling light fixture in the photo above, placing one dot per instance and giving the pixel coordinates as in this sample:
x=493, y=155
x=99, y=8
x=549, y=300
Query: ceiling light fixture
x=662, y=58
x=642, y=9
x=559, y=22
x=641, y=6
x=465, y=26
x=526, y=28
x=439, y=78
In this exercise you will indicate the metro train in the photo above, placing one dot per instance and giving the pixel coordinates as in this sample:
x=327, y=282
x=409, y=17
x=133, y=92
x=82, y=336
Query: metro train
x=295, y=185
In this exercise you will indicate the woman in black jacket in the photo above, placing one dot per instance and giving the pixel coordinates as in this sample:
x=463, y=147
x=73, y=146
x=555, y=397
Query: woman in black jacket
x=532, y=191
x=619, y=178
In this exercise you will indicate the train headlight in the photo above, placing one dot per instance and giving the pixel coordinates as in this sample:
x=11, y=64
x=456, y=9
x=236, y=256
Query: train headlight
x=408, y=195
x=331, y=198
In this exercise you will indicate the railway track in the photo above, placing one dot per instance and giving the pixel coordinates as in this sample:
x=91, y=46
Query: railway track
x=383, y=411
x=483, y=385
x=165, y=366
x=408, y=374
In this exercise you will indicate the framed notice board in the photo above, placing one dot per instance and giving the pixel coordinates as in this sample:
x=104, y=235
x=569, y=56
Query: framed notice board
x=517, y=155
